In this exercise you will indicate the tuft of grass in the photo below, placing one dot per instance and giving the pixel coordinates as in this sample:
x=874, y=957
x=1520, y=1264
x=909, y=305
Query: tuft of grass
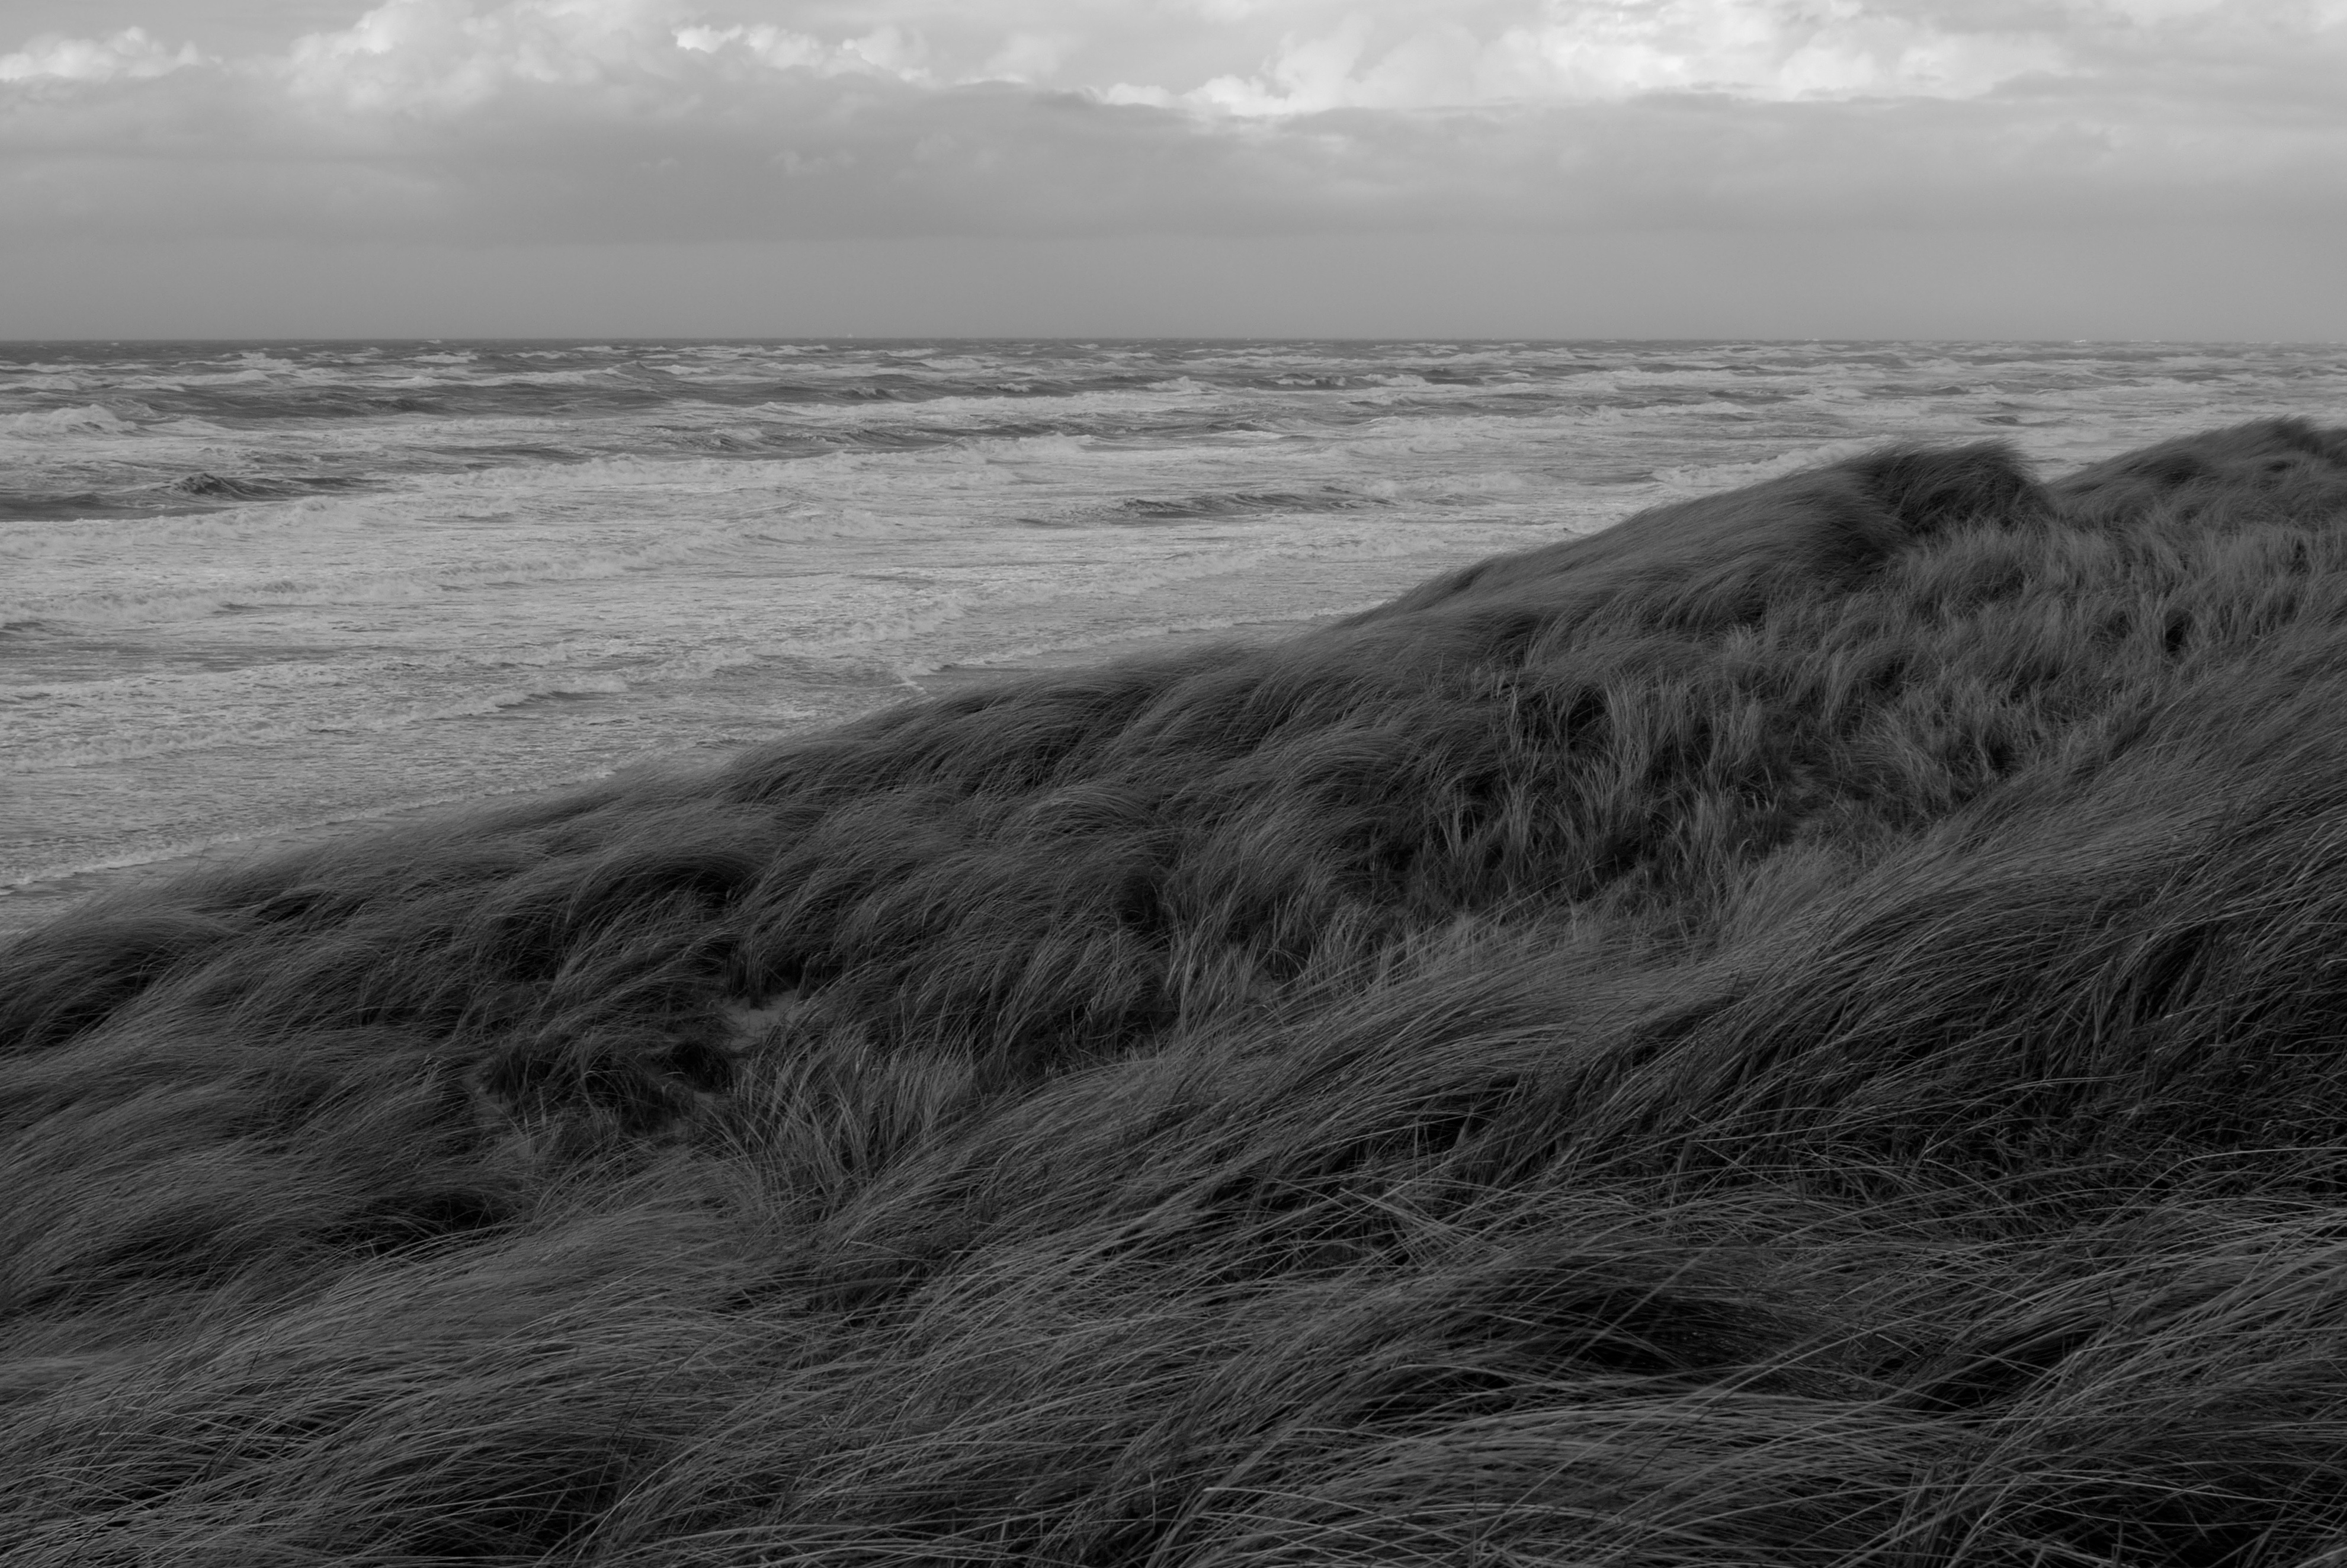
x=1802, y=1029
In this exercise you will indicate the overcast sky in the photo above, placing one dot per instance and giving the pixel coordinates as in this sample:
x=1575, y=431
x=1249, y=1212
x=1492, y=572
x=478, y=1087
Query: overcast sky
x=1644, y=168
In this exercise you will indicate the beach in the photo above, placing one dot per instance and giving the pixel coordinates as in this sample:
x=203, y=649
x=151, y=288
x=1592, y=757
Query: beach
x=35, y=901
x=260, y=590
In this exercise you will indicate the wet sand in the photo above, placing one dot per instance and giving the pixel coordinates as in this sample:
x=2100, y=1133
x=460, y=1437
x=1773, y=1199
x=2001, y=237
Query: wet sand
x=26, y=905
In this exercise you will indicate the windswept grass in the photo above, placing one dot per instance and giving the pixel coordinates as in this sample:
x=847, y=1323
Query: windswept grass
x=1808, y=1029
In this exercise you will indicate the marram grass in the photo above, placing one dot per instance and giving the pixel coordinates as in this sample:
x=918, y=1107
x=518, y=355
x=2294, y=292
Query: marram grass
x=1808, y=1029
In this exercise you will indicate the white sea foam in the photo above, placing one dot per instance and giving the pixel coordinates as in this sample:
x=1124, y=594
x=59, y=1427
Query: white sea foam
x=1703, y=478
x=42, y=423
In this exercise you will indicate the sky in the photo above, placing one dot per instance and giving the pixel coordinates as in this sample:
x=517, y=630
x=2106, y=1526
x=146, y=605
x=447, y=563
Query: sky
x=2033, y=169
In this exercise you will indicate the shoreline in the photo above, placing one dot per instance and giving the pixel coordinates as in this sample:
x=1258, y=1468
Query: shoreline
x=1804, y=1026
x=26, y=906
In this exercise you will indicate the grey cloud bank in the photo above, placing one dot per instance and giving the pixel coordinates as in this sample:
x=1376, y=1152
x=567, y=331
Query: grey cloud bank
x=1953, y=141
x=2173, y=283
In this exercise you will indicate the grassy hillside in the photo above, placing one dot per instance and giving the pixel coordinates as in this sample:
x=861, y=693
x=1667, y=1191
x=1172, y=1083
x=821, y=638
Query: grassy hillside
x=1808, y=1029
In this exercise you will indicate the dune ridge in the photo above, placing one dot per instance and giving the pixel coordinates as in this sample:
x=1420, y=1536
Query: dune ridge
x=1803, y=1029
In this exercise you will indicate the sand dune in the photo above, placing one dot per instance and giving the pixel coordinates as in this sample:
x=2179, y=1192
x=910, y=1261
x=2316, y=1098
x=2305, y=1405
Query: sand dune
x=1804, y=1029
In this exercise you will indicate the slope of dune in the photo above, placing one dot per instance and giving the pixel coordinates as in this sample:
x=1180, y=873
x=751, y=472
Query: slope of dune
x=1808, y=1028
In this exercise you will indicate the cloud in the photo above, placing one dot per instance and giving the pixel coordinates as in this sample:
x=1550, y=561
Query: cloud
x=1584, y=50
x=130, y=53
x=496, y=120
x=884, y=51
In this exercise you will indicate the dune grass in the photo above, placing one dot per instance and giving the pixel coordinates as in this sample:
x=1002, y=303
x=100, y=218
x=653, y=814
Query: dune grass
x=1810, y=1028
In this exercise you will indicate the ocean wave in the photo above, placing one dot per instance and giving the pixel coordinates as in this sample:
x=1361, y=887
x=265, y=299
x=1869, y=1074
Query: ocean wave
x=1241, y=504
x=54, y=506
x=481, y=704
x=137, y=543
x=317, y=584
x=229, y=487
x=1702, y=477
x=94, y=418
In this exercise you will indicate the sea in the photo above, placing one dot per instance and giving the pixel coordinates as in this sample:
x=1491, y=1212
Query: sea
x=257, y=591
